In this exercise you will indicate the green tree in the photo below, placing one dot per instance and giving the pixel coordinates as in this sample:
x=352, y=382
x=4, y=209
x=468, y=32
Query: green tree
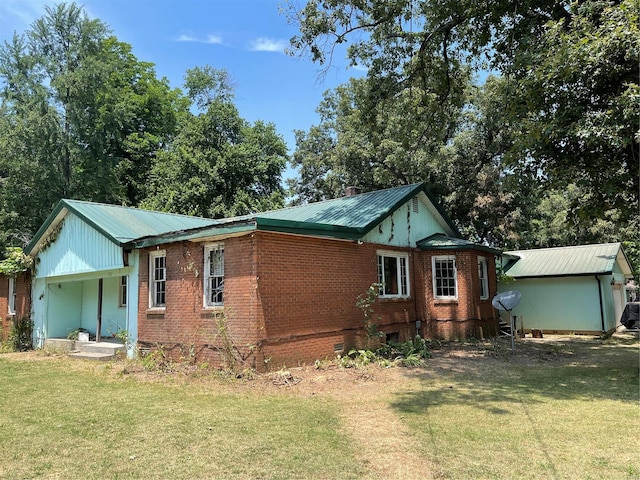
x=217, y=165
x=570, y=70
x=81, y=118
x=392, y=141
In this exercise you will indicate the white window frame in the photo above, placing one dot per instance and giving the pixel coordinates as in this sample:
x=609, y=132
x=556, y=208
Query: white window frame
x=154, y=283
x=213, y=279
x=402, y=274
x=483, y=277
x=434, y=261
x=11, y=298
x=122, y=291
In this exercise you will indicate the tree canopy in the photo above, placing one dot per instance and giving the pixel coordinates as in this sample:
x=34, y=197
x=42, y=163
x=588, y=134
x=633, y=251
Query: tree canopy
x=82, y=118
x=552, y=137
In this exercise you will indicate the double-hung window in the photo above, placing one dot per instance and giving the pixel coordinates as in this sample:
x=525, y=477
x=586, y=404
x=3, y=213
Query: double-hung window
x=157, y=278
x=12, y=296
x=445, y=278
x=483, y=278
x=214, y=275
x=393, y=274
x=122, y=291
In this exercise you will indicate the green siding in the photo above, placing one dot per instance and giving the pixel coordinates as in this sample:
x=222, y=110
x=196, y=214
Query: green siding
x=63, y=309
x=564, y=303
x=404, y=227
x=113, y=316
x=78, y=248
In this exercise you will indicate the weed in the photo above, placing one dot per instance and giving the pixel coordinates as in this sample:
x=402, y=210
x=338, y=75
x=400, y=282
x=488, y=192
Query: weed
x=365, y=302
x=20, y=336
x=156, y=359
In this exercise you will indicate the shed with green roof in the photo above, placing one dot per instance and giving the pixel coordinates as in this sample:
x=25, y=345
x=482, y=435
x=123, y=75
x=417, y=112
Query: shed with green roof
x=573, y=289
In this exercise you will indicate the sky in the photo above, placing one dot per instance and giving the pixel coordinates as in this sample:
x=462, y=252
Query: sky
x=245, y=37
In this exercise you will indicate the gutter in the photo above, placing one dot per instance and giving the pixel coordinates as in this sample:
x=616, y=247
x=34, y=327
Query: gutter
x=600, y=298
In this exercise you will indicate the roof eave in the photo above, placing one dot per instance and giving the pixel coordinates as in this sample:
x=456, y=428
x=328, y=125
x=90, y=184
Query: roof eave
x=191, y=235
x=560, y=275
x=55, y=217
x=309, y=228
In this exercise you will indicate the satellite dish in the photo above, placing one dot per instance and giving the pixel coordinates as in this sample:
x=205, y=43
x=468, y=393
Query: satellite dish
x=506, y=301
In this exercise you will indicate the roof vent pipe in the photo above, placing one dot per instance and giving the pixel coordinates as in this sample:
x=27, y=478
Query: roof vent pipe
x=351, y=191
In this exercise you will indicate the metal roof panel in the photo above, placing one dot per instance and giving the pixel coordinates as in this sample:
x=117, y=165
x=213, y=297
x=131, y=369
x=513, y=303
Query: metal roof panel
x=564, y=261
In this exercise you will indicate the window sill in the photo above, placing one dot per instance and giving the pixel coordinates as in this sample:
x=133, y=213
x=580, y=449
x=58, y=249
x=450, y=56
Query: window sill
x=394, y=299
x=445, y=301
x=156, y=311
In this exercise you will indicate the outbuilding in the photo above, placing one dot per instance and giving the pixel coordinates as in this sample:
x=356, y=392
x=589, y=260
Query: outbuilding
x=575, y=289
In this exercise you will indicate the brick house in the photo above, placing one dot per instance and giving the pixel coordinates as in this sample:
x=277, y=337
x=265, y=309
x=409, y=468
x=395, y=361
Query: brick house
x=282, y=284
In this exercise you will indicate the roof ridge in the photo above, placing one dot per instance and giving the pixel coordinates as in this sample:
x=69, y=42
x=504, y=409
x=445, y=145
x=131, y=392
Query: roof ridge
x=138, y=209
x=564, y=247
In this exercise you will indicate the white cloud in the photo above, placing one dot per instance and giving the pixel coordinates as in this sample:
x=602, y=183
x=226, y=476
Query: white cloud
x=212, y=39
x=17, y=15
x=268, y=45
x=186, y=38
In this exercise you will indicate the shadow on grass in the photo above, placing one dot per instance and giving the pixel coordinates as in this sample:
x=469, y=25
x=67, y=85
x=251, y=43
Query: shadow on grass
x=567, y=369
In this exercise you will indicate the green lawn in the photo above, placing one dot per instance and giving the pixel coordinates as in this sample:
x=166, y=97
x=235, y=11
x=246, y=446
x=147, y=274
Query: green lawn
x=571, y=411
x=58, y=421
x=561, y=411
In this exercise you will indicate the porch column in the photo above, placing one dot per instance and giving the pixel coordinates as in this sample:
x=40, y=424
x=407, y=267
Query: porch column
x=99, y=310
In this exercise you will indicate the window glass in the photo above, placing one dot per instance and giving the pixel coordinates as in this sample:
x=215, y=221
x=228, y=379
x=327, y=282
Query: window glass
x=158, y=279
x=445, y=277
x=483, y=278
x=12, y=296
x=393, y=274
x=214, y=275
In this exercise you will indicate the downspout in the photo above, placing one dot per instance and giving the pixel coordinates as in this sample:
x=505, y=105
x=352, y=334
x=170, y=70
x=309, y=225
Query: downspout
x=600, y=298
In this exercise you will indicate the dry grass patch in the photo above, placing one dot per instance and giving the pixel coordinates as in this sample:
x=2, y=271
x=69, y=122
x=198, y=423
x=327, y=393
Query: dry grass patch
x=561, y=408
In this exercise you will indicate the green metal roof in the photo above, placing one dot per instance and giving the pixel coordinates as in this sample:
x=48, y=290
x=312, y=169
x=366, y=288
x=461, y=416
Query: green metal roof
x=439, y=241
x=567, y=261
x=343, y=218
x=346, y=217
x=120, y=224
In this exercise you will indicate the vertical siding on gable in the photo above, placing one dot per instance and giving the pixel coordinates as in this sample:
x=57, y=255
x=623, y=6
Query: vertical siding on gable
x=79, y=248
x=405, y=227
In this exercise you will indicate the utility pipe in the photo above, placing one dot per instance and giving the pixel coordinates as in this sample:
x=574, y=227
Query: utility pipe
x=601, y=308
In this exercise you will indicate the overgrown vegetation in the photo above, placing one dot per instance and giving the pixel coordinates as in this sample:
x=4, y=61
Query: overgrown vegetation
x=412, y=353
x=365, y=302
x=19, y=338
x=15, y=262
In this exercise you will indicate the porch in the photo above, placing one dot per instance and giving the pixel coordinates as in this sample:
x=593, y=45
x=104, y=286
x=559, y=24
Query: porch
x=106, y=349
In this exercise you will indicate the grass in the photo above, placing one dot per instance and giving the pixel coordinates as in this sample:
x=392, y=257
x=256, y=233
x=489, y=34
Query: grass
x=566, y=410
x=576, y=417
x=61, y=423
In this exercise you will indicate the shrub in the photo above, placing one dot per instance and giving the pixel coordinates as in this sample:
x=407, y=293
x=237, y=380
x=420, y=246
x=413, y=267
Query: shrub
x=20, y=336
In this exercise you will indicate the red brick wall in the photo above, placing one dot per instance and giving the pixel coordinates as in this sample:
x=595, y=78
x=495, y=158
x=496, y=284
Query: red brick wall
x=23, y=302
x=468, y=316
x=307, y=291
x=184, y=327
x=291, y=299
